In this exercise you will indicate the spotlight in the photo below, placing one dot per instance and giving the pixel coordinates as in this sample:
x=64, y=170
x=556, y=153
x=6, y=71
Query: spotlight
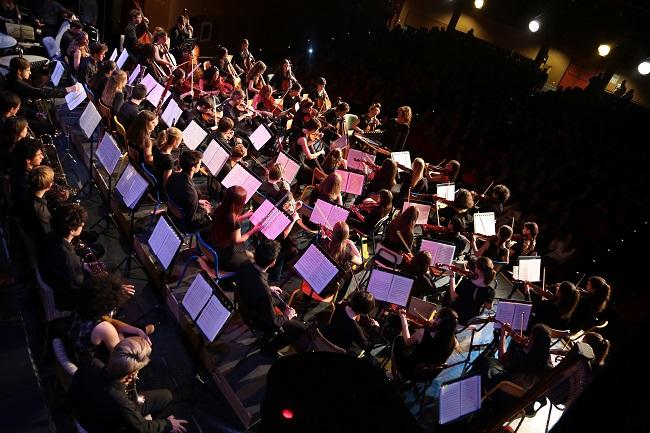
x=287, y=414
x=603, y=50
x=644, y=67
x=310, y=50
x=533, y=26
x=478, y=4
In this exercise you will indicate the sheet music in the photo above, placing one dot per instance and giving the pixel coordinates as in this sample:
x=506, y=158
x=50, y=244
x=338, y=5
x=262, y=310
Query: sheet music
x=57, y=73
x=261, y=212
x=529, y=268
x=260, y=136
x=328, y=214
x=423, y=211
x=484, y=223
x=113, y=55
x=354, y=154
x=134, y=75
x=122, y=59
x=400, y=290
x=193, y=135
x=459, y=398
x=275, y=224
x=240, y=176
x=196, y=296
x=289, y=166
x=515, y=272
x=75, y=98
x=155, y=94
x=172, y=113
x=403, y=158
x=440, y=252
x=131, y=186
x=510, y=312
x=446, y=190
x=108, y=153
x=339, y=143
x=212, y=318
x=149, y=82
x=89, y=119
x=316, y=268
x=352, y=183
x=214, y=157
x=164, y=242
x=379, y=284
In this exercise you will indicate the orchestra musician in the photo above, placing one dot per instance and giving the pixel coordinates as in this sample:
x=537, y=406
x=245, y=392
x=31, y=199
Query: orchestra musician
x=35, y=218
x=288, y=243
x=138, y=137
x=495, y=200
x=213, y=84
x=99, y=80
x=301, y=146
x=453, y=233
x=418, y=183
x=182, y=31
x=448, y=174
x=226, y=68
x=419, y=267
x=367, y=214
x=289, y=103
x=593, y=303
x=329, y=189
x=14, y=129
x=77, y=50
x=526, y=244
x=344, y=252
x=319, y=95
x=163, y=161
x=555, y=313
x=68, y=36
x=350, y=321
x=463, y=202
x=255, y=78
x=496, y=247
x=226, y=133
x=334, y=161
x=243, y=58
x=283, y=79
x=473, y=293
x=305, y=113
x=131, y=108
x=88, y=64
x=137, y=27
x=384, y=178
x=237, y=154
x=264, y=103
x=400, y=232
x=274, y=187
x=369, y=121
x=27, y=154
x=205, y=111
x=334, y=118
x=113, y=95
x=396, y=130
x=163, y=62
x=183, y=192
x=236, y=108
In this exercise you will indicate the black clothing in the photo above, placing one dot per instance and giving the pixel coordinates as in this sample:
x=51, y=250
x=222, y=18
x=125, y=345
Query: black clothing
x=344, y=331
x=546, y=312
x=495, y=252
x=471, y=299
x=231, y=256
x=19, y=182
x=87, y=69
x=118, y=101
x=272, y=191
x=61, y=269
x=162, y=162
x=102, y=405
x=97, y=86
x=177, y=37
x=26, y=91
x=430, y=350
x=181, y=189
x=66, y=38
x=36, y=218
x=395, y=135
x=127, y=113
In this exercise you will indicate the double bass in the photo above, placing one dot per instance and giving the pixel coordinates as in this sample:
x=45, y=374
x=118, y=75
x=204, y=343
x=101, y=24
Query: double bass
x=146, y=37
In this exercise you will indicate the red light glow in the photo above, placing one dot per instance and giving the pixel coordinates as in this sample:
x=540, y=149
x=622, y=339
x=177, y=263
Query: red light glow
x=287, y=413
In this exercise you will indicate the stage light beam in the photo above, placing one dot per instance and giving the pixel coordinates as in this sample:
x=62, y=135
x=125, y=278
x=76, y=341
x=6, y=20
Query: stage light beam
x=478, y=4
x=644, y=67
x=603, y=50
x=533, y=26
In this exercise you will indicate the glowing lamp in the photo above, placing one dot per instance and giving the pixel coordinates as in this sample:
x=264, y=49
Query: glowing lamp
x=533, y=26
x=603, y=50
x=644, y=68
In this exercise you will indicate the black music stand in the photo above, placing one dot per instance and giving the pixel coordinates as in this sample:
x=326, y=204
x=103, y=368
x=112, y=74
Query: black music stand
x=133, y=207
x=109, y=193
x=90, y=182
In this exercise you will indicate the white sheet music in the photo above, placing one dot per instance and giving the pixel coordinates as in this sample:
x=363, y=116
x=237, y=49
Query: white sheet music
x=275, y=221
x=446, y=190
x=75, y=98
x=149, y=82
x=134, y=74
x=122, y=59
x=196, y=296
x=260, y=136
x=459, y=398
x=172, y=113
x=441, y=253
x=214, y=157
x=339, y=143
x=164, y=242
x=108, y=153
x=402, y=158
x=529, y=268
x=290, y=167
x=131, y=186
x=212, y=318
x=240, y=176
x=155, y=94
x=511, y=312
x=356, y=156
x=57, y=73
x=484, y=223
x=193, y=135
x=390, y=287
x=89, y=119
x=113, y=55
x=328, y=214
x=423, y=211
x=316, y=268
x=352, y=183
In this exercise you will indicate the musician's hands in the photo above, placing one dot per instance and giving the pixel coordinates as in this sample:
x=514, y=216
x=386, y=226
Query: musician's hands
x=205, y=204
x=177, y=424
x=290, y=313
x=247, y=214
x=276, y=290
x=373, y=322
x=128, y=289
x=75, y=88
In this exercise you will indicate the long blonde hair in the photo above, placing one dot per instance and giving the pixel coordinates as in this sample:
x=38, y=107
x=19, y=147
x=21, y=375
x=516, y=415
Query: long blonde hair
x=167, y=138
x=114, y=84
x=418, y=171
x=331, y=186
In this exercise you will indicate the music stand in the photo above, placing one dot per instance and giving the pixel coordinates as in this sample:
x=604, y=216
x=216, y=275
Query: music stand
x=165, y=242
x=108, y=154
x=131, y=187
x=88, y=122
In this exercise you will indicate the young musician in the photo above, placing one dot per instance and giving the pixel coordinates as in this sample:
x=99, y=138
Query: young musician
x=526, y=245
x=555, y=314
x=237, y=155
x=454, y=235
x=448, y=174
x=274, y=187
x=68, y=36
x=593, y=304
x=399, y=234
x=417, y=184
x=163, y=162
x=496, y=199
x=369, y=121
x=77, y=50
x=256, y=300
x=204, y=112
x=130, y=109
x=329, y=189
x=333, y=161
x=431, y=346
x=243, y=58
x=263, y=101
x=396, y=130
x=343, y=251
x=113, y=95
x=255, y=78
x=224, y=233
x=226, y=68
x=180, y=33
x=28, y=154
x=471, y=294
x=104, y=71
x=102, y=401
x=288, y=244
x=419, y=267
x=496, y=247
x=346, y=329
x=236, y=108
x=161, y=55
x=301, y=146
x=13, y=130
x=319, y=96
x=367, y=214
x=463, y=202
x=335, y=118
x=384, y=178
x=88, y=65
x=226, y=133
x=138, y=136
x=36, y=219
x=283, y=79
x=135, y=29
x=183, y=192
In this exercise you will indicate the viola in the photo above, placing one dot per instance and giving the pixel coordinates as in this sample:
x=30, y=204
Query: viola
x=366, y=205
x=431, y=197
x=541, y=291
x=433, y=228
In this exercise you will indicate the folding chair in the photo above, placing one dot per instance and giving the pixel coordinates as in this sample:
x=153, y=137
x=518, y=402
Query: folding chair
x=306, y=293
x=375, y=232
x=318, y=342
x=105, y=112
x=121, y=132
x=208, y=260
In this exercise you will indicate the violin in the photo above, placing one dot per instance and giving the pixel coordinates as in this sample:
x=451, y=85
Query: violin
x=507, y=327
x=371, y=165
x=453, y=268
x=433, y=228
x=417, y=318
x=431, y=197
x=366, y=205
x=541, y=291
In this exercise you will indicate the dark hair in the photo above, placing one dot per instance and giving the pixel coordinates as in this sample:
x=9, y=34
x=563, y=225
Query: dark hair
x=599, y=345
x=386, y=175
x=485, y=265
x=386, y=200
x=504, y=233
x=266, y=252
x=210, y=73
x=137, y=134
x=457, y=224
x=320, y=81
x=405, y=224
x=225, y=124
x=134, y=13
x=312, y=125
x=601, y=294
x=18, y=64
x=160, y=34
x=296, y=86
x=102, y=294
x=537, y=361
x=97, y=47
x=501, y=193
x=228, y=211
x=446, y=329
x=76, y=24
x=13, y=127
x=533, y=228
x=139, y=91
x=189, y=159
x=8, y=101
x=464, y=199
x=106, y=67
x=68, y=217
x=275, y=171
x=421, y=262
x=362, y=302
x=567, y=299
x=342, y=106
x=27, y=148
x=455, y=168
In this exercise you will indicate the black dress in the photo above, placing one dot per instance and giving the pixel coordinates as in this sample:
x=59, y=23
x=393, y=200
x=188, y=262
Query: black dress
x=430, y=350
x=471, y=299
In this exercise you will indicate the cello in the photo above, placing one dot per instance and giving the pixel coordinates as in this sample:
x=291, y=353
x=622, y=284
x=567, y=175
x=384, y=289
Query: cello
x=146, y=37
